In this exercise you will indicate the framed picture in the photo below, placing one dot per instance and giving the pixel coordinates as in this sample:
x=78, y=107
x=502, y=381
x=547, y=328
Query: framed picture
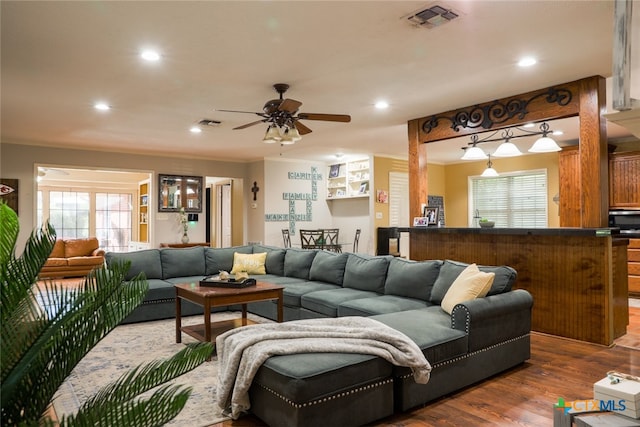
x=9, y=192
x=431, y=213
x=364, y=188
x=382, y=196
x=420, y=221
x=334, y=171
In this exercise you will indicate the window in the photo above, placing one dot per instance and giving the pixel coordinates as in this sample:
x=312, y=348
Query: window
x=80, y=214
x=514, y=200
x=113, y=221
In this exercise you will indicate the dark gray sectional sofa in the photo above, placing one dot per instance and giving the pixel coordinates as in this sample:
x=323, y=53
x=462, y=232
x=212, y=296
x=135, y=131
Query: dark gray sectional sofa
x=480, y=338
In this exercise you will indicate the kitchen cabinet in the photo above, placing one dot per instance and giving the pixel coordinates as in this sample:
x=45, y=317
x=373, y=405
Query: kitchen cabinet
x=624, y=180
x=633, y=258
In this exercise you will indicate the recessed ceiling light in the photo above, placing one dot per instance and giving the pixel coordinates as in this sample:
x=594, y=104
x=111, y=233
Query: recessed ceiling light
x=195, y=129
x=102, y=106
x=381, y=105
x=558, y=132
x=150, y=55
x=527, y=61
x=529, y=125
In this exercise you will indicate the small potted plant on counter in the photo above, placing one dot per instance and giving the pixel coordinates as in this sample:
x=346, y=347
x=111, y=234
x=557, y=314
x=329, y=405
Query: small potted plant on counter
x=485, y=223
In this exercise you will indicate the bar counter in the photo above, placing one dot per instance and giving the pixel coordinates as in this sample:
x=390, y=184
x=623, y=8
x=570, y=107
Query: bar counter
x=577, y=276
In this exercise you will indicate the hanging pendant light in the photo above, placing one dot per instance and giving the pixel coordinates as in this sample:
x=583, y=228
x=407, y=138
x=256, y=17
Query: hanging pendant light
x=544, y=144
x=490, y=172
x=474, y=153
x=507, y=149
x=272, y=135
x=294, y=134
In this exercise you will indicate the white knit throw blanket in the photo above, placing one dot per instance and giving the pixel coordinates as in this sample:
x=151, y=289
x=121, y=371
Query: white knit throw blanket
x=242, y=351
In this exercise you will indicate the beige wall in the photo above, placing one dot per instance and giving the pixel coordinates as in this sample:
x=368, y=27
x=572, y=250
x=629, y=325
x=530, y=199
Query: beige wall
x=381, y=168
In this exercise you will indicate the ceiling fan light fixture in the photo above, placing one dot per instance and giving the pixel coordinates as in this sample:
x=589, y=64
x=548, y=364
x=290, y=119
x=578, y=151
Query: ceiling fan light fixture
x=544, y=145
x=293, y=134
x=272, y=135
x=287, y=138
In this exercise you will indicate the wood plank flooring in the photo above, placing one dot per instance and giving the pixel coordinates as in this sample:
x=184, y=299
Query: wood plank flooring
x=523, y=396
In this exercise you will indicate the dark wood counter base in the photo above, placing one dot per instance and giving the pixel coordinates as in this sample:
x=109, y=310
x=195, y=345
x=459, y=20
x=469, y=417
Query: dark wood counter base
x=577, y=277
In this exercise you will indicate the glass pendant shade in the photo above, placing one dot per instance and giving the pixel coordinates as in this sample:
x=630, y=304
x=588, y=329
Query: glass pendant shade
x=507, y=149
x=294, y=134
x=474, y=153
x=545, y=145
x=287, y=139
x=272, y=136
x=490, y=172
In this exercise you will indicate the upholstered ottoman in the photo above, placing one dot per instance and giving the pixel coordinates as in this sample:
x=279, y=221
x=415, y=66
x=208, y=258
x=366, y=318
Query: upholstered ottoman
x=322, y=389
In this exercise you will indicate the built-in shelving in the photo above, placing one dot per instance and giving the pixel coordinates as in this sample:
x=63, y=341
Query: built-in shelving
x=348, y=180
x=143, y=211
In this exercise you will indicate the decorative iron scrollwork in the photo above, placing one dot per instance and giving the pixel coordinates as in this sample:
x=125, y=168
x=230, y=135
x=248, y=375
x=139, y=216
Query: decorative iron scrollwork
x=496, y=112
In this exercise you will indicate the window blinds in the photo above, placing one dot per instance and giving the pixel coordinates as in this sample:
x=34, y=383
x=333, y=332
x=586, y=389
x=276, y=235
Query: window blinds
x=514, y=200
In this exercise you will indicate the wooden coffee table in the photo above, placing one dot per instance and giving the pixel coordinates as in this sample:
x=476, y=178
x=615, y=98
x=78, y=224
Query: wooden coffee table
x=208, y=297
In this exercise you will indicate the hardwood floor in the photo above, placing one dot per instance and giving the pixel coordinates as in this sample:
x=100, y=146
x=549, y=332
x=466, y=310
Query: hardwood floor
x=524, y=396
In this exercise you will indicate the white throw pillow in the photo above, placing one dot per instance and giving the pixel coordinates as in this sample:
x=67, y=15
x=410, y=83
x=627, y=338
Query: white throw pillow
x=470, y=284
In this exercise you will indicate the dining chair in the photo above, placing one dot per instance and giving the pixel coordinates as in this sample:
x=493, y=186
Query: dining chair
x=286, y=237
x=312, y=239
x=331, y=242
x=356, y=240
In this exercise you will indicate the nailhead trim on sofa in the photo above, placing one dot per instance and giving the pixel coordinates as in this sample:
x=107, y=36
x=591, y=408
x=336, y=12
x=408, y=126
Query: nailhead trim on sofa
x=329, y=398
x=456, y=359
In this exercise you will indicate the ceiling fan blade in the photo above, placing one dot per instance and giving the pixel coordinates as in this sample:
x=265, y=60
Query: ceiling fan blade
x=344, y=118
x=289, y=105
x=301, y=128
x=250, y=124
x=236, y=111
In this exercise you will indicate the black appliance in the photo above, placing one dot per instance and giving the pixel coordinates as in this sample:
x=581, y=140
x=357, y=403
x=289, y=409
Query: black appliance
x=628, y=221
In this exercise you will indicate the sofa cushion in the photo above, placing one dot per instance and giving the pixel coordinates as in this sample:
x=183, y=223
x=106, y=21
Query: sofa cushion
x=297, y=262
x=411, y=279
x=147, y=261
x=366, y=273
x=470, y=284
x=58, y=249
x=180, y=262
x=250, y=263
x=503, y=281
x=275, y=259
x=430, y=328
x=293, y=292
x=327, y=302
x=379, y=305
x=56, y=262
x=221, y=259
x=80, y=247
x=86, y=260
x=328, y=267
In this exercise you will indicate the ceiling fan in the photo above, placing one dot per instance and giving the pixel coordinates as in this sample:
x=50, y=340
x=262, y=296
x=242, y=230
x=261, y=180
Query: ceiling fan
x=284, y=119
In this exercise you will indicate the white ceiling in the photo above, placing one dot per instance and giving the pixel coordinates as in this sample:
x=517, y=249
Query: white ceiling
x=340, y=57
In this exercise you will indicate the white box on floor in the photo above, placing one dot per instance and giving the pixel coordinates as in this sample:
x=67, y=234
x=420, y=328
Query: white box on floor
x=616, y=396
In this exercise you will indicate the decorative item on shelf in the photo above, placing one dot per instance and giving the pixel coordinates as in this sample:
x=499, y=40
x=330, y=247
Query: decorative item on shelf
x=185, y=225
x=485, y=223
x=431, y=213
x=545, y=144
x=334, y=171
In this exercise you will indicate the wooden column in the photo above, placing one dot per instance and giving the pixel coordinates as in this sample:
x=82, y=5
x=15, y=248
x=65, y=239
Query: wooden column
x=418, y=182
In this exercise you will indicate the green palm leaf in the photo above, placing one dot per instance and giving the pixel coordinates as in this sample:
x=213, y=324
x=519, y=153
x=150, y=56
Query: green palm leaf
x=40, y=347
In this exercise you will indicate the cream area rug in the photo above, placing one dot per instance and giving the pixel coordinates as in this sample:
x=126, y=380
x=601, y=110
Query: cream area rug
x=130, y=345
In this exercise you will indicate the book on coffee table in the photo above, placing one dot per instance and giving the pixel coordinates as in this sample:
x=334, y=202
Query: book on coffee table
x=231, y=282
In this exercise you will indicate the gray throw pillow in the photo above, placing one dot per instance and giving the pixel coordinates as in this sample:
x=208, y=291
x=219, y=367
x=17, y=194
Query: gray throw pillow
x=450, y=270
x=366, y=273
x=182, y=262
x=147, y=261
x=221, y=259
x=275, y=258
x=328, y=267
x=297, y=262
x=412, y=279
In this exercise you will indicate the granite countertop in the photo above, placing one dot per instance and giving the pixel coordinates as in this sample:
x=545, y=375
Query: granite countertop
x=563, y=231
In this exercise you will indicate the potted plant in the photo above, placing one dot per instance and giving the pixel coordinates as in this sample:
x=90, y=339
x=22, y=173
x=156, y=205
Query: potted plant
x=41, y=347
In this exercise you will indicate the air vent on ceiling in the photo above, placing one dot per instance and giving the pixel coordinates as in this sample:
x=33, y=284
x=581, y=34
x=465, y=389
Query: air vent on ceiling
x=432, y=17
x=209, y=122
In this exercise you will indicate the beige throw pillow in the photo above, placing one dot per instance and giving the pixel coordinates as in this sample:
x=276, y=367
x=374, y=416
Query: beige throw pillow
x=251, y=263
x=470, y=284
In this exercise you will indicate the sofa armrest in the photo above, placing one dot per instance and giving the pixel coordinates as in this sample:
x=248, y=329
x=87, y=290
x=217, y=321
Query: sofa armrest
x=98, y=252
x=494, y=319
